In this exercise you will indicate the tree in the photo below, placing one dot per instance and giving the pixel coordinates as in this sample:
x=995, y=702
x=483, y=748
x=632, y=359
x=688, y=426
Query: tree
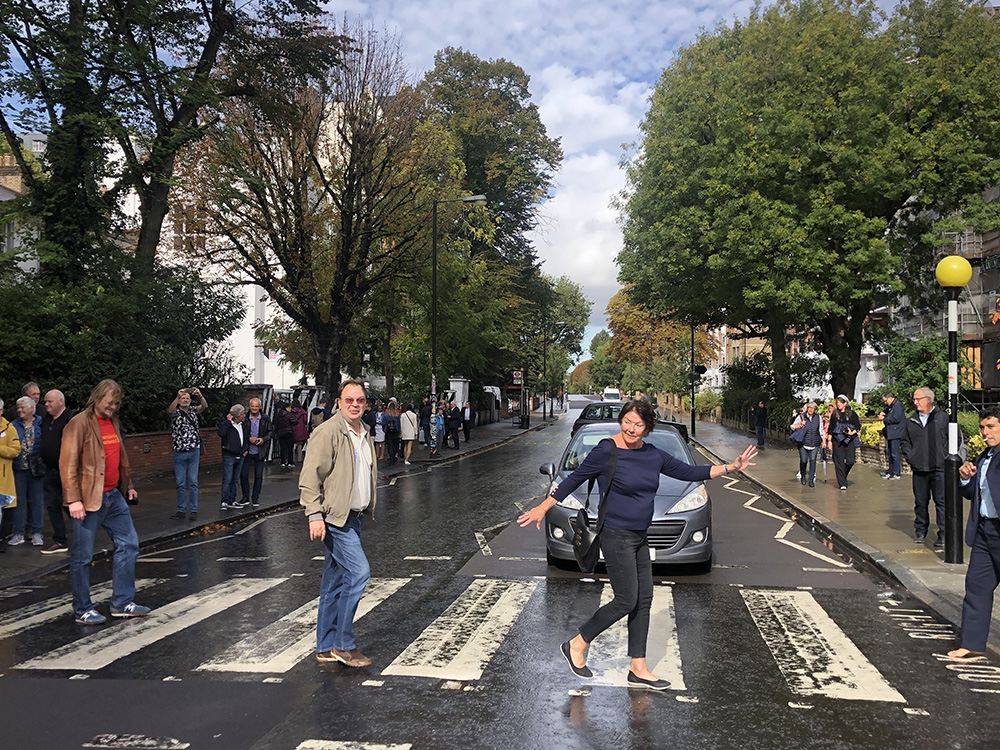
x=507, y=154
x=120, y=88
x=792, y=169
x=320, y=192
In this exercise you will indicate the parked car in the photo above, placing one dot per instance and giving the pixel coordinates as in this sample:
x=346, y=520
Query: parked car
x=681, y=531
x=608, y=411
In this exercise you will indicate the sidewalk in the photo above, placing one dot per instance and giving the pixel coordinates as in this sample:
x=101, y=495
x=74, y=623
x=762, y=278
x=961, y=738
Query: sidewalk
x=872, y=520
x=158, y=499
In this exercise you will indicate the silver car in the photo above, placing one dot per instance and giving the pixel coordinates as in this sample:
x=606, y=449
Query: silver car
x=681, y=531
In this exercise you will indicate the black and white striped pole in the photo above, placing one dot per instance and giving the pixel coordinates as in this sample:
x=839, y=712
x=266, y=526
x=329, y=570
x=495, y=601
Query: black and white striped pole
x=953, y=273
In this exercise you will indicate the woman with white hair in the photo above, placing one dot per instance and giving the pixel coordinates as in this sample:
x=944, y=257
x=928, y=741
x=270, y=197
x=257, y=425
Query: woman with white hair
x=10, y=448
x=29, y=476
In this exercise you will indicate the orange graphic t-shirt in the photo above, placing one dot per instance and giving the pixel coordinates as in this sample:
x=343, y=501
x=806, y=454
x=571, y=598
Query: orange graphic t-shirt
x=112, y=453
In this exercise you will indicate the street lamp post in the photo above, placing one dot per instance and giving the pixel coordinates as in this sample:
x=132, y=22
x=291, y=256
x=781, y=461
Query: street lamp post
x=478, y=200
x=953, y=273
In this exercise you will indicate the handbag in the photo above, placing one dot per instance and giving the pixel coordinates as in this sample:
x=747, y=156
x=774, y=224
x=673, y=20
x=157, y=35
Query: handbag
x=587, y=541
x=36, y=465
x=798, y=436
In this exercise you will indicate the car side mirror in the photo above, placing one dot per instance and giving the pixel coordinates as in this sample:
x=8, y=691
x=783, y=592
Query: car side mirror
x=548, y=469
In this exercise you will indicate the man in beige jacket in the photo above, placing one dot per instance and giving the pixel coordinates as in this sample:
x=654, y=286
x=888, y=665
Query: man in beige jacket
x=94, y=469
x=337, y=485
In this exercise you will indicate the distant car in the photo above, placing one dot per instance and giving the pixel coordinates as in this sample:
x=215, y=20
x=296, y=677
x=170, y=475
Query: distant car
x=681, y=531
x=608, y=411
x=611, y=394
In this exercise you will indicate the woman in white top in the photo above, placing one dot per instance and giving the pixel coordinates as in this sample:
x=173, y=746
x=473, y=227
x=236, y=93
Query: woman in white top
x=379, y=433
x=407, y=431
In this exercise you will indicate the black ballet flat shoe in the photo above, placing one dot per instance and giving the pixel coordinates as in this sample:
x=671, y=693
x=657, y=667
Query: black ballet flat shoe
x=583, y=671
x=634, y=681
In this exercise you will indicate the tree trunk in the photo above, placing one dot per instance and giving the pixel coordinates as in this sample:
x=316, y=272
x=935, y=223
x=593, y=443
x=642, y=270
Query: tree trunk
x=842, y=339
x=780, y=362
x=155, y=197
x=387, y=363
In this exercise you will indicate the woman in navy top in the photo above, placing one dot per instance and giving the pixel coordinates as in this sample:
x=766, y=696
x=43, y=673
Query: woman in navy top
x=623, y=538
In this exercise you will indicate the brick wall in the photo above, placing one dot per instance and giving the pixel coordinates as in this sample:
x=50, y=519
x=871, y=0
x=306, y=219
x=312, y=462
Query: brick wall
x=151, y=453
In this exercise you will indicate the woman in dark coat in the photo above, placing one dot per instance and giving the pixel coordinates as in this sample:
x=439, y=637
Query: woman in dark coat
x=845, y=427
x=284, y=429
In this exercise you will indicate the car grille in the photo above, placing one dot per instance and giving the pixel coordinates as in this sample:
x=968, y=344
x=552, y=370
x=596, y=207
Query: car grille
x=661, y=534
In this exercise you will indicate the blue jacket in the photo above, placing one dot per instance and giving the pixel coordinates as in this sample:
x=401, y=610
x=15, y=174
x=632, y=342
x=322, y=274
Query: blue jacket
x=971, y=490
x=19, y=426
x=894, y=418
x=231, y=445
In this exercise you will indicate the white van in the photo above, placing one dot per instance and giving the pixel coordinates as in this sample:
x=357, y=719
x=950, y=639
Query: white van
x=611, y=394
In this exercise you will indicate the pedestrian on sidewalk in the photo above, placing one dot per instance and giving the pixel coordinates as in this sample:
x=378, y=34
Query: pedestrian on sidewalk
x=284, y=430
x=391, y=426
x=812, y=438
x=760, y=423
x=454, y=421
x=981, y=484
x=892, y=418
x=53, y=424
x=924, y=445
x=300, y=431
x=95, y=473
x=186, y=443
x=426, y=412
x=337, y=485
x=29, y=476
x=467, y=417
x=845, y=427
x=235, y=446
x=259, y=437
x=408, y=431
x=628, y=487
x=10, y=448
x=379, y=432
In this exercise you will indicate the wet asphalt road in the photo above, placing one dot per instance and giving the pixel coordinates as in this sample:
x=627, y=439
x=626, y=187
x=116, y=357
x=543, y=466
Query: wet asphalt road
x=782, y=645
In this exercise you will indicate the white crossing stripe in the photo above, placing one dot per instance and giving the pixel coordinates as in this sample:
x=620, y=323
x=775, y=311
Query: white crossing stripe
x=461, y=642
x=281, y=645
x=812, y=652
x=608, y=654
x=339, y=745
x=58, y=606
x=105, y=646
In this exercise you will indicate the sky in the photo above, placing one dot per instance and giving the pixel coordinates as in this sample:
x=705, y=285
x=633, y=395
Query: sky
x=592, y=67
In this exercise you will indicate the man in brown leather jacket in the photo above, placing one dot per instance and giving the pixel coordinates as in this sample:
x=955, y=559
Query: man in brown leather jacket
x=94, y=469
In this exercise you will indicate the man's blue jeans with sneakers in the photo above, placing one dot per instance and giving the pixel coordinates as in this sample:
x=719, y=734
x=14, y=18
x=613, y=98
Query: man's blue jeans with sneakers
x=345, y=575
x=186, y=476
x=113, y=516
x=230, y=477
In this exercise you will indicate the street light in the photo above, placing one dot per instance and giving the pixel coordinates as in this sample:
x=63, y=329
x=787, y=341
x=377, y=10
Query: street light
x=953, y=273
x=476, y=200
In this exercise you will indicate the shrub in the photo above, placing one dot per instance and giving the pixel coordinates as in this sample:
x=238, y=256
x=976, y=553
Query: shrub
x=871, y=434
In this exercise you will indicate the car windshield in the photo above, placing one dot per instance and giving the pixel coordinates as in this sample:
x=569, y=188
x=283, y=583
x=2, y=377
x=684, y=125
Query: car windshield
x=585, y=440
x=601, y=411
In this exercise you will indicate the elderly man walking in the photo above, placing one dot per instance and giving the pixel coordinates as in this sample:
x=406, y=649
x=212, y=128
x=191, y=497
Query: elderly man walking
x=95, y=473
x=54, y=422
x=235, y=446
x=337, y=485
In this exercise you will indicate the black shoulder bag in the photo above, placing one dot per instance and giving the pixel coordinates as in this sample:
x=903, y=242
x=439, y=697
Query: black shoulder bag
x=587, y=541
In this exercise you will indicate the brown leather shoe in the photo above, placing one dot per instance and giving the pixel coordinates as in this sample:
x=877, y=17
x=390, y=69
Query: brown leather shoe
x=352, y=658
x=358, y=659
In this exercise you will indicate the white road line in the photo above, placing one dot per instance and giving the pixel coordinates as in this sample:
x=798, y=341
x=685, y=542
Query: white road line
x=608, y=658
x=124, y=741
x=784, y=530
x=483, y=544
x=241, y=559
x=812, y=652
x=749, y=505
x=428, y=557
x=105, y=646
x=192, y=544
x=156, y=559
x=259, y=521
x=281, y=645
x=461, y=642
x=349, y=745
x=824, y=570
x=31, y=615
x=817, y=555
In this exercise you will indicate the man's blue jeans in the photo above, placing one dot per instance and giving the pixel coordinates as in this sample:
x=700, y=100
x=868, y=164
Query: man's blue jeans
x=892, y=453
x=759, y=429
x=345, y=575
x=114, y=518
x=257, y=461
x=186, y=476
x=230, y=476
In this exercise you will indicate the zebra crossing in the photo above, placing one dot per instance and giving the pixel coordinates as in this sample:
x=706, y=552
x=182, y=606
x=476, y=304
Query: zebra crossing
x=811, y=652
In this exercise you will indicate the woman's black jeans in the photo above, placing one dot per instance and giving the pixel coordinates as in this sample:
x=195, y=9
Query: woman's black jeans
x=626, y=555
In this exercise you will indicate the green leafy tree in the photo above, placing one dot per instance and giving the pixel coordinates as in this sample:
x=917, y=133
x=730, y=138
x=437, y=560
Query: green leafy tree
x=792, y=167
x=507, y=153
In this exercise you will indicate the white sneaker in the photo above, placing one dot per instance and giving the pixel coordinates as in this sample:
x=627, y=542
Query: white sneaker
x=15, y=540
x=406, y=462
x=36, y=540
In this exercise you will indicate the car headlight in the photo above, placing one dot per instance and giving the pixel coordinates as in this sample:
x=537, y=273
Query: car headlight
x=570, y=502
x=695, y=499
